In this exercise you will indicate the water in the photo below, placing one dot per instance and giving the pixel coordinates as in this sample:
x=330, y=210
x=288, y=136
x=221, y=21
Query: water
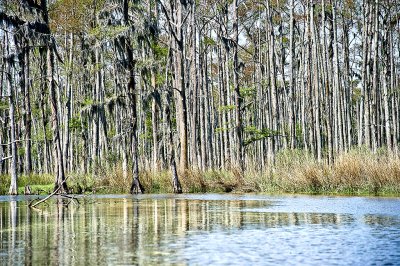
x=201, y=230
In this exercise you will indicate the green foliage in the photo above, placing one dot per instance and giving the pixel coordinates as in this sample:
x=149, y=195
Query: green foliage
x=356, y=96
x=21, y=151
x=160, y=52
x=80, y=183
x=160, y=79
x=49, y=132
x=111, y=132
x=226, y=108
x=35, y=109
x=318, y=9
x=278, y=3
x=255, y=134
x=248, y=91
x=87, y=102
x=209, y=41
x=299, y=133
x=108, y=32
x=39, y=136
x=148, y=134
x=67, y=66
x=75, y=123
x=36, y=51
x=112, y=158
x=4, y=105
x=265, y=82
x=221, y=129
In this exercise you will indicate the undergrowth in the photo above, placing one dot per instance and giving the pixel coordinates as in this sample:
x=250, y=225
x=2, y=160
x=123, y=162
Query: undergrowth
x=357, y=172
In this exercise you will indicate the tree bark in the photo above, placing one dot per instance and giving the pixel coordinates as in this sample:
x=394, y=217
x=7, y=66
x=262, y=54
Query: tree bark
x=14, y=175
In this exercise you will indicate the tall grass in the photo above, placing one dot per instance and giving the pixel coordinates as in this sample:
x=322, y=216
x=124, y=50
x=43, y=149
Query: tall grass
x=358, y=172
x=38, y=183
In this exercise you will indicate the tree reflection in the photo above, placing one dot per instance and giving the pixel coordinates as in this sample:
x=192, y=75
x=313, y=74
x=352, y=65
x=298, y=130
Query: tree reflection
x=13, y=228
x=381, y=220
x=131, y=230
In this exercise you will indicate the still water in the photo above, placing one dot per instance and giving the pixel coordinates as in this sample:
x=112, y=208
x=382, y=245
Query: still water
x=201, y=230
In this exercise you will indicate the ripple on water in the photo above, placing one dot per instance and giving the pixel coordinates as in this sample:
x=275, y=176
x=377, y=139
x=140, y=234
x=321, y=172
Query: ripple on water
x=214, y=229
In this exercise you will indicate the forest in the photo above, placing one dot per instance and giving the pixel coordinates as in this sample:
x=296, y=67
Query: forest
x=234, y=90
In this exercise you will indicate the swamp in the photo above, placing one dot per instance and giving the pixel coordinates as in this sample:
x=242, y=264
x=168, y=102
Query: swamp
x=206, y=229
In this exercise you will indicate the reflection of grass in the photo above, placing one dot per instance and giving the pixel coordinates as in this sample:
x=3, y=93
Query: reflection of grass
x=358, y=172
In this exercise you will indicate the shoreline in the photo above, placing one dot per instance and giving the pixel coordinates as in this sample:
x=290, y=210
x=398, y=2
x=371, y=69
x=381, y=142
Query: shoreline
x=356, y=173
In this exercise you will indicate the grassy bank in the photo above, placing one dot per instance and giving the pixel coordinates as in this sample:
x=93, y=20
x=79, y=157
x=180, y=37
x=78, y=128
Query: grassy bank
x=354, y=173
x=40, y=184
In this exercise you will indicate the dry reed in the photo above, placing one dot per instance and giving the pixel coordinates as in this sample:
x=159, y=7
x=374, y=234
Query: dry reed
x=357, y=172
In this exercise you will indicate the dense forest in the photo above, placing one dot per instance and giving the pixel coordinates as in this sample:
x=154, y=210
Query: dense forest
x=183, y=84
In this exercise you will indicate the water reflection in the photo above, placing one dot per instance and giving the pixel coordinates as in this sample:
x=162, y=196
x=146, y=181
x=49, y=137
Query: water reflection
x=381, y=220
x=143, y=231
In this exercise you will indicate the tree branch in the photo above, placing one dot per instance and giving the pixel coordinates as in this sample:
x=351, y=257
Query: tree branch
x=6, y=158
x=49, y=196
x=15, y=141
x=169, y=22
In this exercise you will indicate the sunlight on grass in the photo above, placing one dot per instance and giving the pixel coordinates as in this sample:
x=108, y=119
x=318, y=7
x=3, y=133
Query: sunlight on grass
x=357, y=172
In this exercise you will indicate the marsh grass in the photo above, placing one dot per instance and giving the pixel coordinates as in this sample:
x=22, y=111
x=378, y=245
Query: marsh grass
x=39, y=184
x=358, y=172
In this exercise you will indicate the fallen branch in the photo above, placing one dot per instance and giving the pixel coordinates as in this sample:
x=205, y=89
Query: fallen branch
x=72, y=199
x=49, y=196
x=46, y=198
x=39, y=211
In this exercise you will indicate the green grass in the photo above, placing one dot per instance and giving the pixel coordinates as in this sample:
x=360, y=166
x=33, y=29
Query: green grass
x=37, y=189
x=39, y=183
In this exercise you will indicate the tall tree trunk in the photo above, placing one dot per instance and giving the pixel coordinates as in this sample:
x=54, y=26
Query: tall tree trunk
x=181, y=87
x=68, y=105
x=316, y=106
x=375, y=79
x=386, y=80
x=292, y=121
x=14, y=175
x=327, y=88
x=27, y=114
x=154, y=122
x=136, y=186
x=194, y=87
x=336, y=88
x=176, y=185
x=272, y=73
x=238, y=97
x=58, y=156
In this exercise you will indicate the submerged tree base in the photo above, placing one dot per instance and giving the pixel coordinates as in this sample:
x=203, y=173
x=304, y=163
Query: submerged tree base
x=136, y=187
x=61, y=188
x=177, y=186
